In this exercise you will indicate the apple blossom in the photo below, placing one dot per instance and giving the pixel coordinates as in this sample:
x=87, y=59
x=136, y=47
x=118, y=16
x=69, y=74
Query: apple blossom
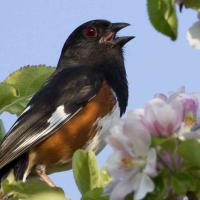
x=191, y=115
x=163, y=117
x=133, y=162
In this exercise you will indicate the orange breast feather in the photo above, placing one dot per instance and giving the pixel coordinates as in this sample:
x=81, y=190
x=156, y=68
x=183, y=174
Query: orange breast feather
x=60, y=146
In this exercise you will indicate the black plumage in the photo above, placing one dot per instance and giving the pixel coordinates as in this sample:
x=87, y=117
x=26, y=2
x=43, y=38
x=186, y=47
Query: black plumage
x=86, y=61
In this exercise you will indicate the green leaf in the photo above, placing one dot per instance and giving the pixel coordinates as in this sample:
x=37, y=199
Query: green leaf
x=167, y=144
x=157, y=141
x=190, y=152
x=162, y=14
x=186, y=181
x=180, y=185
x=29, y=79
x=85, y=170
x=2, y=130
x=194, y=182
x=20, y=86
x=33, y=189
x=194, y=4
x=8, y=94
x=95, y=194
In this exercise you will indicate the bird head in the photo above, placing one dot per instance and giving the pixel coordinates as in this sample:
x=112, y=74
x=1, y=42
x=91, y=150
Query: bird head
x=93, y=42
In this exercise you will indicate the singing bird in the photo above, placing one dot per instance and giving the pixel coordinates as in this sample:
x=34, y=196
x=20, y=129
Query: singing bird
x=74, y=109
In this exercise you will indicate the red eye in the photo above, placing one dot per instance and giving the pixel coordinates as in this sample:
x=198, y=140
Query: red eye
x=90, y=32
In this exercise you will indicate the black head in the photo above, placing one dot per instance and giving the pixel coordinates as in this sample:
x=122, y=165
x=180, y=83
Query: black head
x=93, y=41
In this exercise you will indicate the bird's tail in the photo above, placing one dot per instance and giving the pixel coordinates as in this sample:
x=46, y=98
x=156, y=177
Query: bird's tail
x=18, y=166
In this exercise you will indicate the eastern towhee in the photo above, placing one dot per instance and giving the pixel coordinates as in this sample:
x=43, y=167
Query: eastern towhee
x=82, y=99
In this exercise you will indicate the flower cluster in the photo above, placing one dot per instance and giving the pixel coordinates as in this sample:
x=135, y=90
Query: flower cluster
x=137, y=159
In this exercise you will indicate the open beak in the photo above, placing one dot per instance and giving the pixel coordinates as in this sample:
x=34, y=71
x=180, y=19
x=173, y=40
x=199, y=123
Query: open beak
x=110, y=36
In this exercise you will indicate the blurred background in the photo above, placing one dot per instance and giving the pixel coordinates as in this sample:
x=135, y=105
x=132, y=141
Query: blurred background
x=33, y=32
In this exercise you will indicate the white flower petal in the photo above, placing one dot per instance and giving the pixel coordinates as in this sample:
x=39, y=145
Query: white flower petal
x=183, y=131
x=187, y=133
x=161, y=96
x=117, y=169
x=150, y=168
x=119, y=141
x=136, y=114
x=193, y=35
x=109, y=188
x=122, y=189
x=138, y=139
x=113, y=165
x=174, y=95
x=142, y=185
x=116, y=139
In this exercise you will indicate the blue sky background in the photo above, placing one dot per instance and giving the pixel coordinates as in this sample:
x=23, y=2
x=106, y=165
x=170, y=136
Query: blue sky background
x=33, y=32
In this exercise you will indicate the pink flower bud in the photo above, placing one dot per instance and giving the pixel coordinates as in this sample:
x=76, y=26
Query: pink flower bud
x=163, y=118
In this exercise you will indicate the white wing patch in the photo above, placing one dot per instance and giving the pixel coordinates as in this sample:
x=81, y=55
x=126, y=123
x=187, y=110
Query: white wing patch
x=56, y=118
x=58, y=115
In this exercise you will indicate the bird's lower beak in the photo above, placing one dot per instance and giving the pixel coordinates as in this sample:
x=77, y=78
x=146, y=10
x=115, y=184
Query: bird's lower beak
x=110, y=37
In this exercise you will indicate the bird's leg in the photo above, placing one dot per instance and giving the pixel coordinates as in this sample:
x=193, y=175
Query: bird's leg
x=181, y=7
x=4, y=196
x=40, y=170
x=180, y=4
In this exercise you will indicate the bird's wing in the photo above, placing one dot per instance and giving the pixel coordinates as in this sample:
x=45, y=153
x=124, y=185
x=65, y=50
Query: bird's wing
x=62, y=97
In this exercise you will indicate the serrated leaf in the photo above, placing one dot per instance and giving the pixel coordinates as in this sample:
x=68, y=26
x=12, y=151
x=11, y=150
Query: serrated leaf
x=162, y=14
x=85, y=170
x=95, y=194
x=190, y=151
x=33, y=190
x=29, y=79
x=23, y=83
x=2, y=130
x=194, y=4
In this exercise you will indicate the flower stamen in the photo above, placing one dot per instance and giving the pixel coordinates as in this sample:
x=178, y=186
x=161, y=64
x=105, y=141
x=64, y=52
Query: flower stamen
x=190, y=119
x=127, y=162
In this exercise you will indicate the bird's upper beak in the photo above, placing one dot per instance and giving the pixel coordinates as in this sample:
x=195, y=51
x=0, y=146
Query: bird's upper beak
x=110, y=36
